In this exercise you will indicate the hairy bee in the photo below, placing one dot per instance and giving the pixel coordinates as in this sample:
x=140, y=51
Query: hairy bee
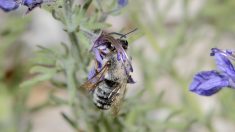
x=112, y=85
x=108, y=84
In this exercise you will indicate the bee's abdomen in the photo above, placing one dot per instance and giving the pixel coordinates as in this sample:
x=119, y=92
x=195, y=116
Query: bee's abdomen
x=101, y=95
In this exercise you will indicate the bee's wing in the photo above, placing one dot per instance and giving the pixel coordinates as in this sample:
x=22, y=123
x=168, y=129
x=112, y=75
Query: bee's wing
x=92, y=83
x=119, y=99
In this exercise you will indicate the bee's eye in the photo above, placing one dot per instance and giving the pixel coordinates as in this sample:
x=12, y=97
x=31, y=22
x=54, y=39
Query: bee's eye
x=109, y=46
x=124, y=44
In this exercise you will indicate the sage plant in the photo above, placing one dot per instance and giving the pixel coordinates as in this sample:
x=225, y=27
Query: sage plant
x=72, y=62
x=66, y=65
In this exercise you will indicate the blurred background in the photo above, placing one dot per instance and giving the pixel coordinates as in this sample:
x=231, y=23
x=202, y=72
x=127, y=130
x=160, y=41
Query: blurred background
x=172, y=43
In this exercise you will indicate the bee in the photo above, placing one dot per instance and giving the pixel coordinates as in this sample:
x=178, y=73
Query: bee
x=108, y=85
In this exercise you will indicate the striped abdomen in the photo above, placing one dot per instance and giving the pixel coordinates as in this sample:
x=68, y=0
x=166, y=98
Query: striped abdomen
x=103, y=95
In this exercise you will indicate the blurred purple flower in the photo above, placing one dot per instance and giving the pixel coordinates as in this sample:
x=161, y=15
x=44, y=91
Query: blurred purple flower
x=210, y=82
x=31, y=4
x=122, y=3
x=9, y=5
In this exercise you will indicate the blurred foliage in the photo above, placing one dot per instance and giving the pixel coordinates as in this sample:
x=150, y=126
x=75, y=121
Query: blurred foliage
x=13, y=70
x=218, y=13
x=144, y=110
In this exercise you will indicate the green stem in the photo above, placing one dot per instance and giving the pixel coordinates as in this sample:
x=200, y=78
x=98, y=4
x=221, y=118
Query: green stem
x=75, y=45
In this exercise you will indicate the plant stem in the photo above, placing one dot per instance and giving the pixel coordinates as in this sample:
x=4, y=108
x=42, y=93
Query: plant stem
x=75, y=45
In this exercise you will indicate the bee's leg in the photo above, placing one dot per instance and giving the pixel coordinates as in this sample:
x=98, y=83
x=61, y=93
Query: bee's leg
x=102, y=53
x=96, y=66
x=114, y=94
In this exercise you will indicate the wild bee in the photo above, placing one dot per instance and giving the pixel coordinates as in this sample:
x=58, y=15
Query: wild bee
x=111, y=74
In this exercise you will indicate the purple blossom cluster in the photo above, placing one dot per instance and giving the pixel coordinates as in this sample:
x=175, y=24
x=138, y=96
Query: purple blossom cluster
x=10, y=5
x=207, y=83
x=104, y=45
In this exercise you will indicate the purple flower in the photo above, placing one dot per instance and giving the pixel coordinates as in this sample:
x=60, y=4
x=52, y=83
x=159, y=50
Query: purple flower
x=9, y=5
x=99, y=57
x=31, y=4
x=122, y=3
x=106, y=44
x=223, y=63
x=91, y=73
x=210, y=82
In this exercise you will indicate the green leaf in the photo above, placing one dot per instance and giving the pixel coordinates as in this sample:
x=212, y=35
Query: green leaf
x=44, y=70
x=39, y=78
x=69, y=66
x=96, y=26
x=87, y=4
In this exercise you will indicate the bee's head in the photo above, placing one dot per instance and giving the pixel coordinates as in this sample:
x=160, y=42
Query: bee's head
x=110, y=46
x=124, y=44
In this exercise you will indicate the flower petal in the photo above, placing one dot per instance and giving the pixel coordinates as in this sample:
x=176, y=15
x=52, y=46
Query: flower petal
x=31, y=4
x=223, y=63
x=8, y=5
x=130, y=80
x=91, y=73
x=207, y=83
x=118, y=56
x=98, y=57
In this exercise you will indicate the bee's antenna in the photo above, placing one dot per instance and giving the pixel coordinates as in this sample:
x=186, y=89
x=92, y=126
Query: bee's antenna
x=124, y=36
x=119, y=34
